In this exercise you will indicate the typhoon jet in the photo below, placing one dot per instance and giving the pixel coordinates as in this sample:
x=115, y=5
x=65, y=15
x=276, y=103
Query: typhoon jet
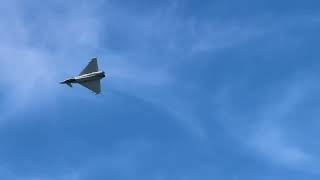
x=89, y=77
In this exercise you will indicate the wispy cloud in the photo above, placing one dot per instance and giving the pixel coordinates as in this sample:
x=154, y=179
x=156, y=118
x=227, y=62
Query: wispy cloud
x=155, y=46
x=159, y=43
x=153, y=78
x=271, y=136
x=271, y=141
x=35, y=53
x=267, y=129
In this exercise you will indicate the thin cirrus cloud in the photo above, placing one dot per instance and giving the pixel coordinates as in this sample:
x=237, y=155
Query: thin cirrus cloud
x=146, y=56
x=274, y=125
x=273, y=137
x=275, y=128
x=152, y=76
x=36, y=51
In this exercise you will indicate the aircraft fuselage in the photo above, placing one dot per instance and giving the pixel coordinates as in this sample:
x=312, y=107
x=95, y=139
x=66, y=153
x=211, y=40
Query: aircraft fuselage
x=85, y=78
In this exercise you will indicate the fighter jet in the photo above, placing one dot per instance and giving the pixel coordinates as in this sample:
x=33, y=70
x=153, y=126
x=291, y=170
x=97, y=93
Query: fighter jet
x=89, y=77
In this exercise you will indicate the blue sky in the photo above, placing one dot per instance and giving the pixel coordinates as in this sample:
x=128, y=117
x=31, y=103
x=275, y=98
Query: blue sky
x=204, y=90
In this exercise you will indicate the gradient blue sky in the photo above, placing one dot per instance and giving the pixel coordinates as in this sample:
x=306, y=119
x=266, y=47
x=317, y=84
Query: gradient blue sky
x=225, y=90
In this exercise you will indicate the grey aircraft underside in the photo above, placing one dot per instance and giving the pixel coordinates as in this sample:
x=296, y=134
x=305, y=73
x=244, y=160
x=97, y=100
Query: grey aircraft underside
x=89, y=77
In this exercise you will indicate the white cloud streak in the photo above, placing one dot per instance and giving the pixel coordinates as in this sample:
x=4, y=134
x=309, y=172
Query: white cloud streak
x=38, y=50
x=154, y=80
x=266, y=130
x=34, y=53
